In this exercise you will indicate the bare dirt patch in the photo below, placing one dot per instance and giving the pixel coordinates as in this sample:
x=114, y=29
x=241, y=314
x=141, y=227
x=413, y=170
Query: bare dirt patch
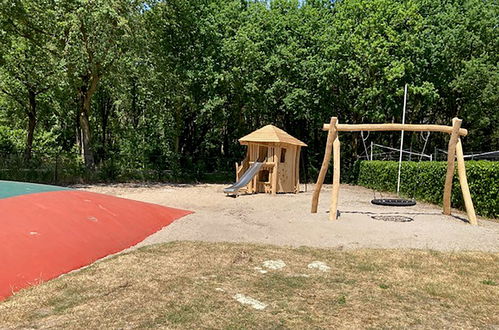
x=286, y=219
x=187, y=284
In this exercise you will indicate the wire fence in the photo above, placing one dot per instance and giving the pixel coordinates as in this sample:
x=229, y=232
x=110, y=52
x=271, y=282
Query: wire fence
x=473, y=155
x=62, y=168
x=381, y=152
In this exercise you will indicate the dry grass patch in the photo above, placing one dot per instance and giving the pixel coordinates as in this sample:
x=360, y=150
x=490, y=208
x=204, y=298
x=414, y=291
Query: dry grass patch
x=192, y=285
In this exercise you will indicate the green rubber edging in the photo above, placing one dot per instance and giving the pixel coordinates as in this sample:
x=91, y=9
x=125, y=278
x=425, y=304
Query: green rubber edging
x=12, y=188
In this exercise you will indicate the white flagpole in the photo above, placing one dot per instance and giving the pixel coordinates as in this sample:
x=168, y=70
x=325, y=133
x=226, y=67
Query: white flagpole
x=401, y=140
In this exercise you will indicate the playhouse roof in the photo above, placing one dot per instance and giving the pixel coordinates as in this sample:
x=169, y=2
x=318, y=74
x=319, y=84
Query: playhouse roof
x=270, y=134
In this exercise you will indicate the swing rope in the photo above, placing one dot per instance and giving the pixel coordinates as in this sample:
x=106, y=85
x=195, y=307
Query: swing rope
x=425, y=143
x=364, y=139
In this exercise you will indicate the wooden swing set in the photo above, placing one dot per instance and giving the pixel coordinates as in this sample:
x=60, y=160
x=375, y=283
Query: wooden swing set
x=455, y=150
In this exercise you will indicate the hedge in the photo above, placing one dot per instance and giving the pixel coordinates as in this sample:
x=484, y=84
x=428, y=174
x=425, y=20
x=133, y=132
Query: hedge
x=425, y=181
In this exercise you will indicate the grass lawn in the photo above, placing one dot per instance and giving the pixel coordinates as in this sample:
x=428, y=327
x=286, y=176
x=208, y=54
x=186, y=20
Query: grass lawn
x=192, y=285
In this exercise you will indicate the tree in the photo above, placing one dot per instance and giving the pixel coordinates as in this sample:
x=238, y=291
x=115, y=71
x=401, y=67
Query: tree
x=97, y=33
x=171, y=85
x=28, y=67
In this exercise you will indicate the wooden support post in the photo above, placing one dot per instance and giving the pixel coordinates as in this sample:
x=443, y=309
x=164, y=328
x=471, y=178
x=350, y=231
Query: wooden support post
x=297, y=169
x=275, y=174
x=336, y=178
x=451, y=156
x=331, y=135
x=461, y=170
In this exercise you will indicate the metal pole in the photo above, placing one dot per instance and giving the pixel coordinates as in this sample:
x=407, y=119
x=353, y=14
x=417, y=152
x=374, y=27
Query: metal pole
x=372, y=150
x=401, y=140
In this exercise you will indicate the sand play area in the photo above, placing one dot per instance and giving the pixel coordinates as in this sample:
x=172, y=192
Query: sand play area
x=286, y=220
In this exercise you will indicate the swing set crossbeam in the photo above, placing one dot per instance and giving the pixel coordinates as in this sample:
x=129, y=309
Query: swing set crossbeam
x=455, y=152
x=395, y=127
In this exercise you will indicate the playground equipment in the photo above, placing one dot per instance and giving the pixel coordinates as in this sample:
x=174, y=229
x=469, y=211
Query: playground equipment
x=271, y=165
x=397, y=201
x=455, y=150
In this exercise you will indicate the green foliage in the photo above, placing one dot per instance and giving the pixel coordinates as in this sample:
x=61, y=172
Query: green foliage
x=10, y=140
x=425, y=181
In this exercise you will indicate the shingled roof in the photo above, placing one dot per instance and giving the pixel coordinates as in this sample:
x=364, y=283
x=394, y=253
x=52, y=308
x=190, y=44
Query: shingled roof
x=270, y=134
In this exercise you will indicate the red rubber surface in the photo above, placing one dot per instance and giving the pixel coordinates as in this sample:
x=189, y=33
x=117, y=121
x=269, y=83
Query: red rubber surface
x=48, y=234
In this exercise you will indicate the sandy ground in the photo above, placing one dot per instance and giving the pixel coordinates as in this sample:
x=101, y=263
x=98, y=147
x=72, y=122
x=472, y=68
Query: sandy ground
x=286, y=220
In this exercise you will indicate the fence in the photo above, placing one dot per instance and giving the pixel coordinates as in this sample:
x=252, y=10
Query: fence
x=389, y=153
x=68, y=168
x=473, y=155
x=372, y=152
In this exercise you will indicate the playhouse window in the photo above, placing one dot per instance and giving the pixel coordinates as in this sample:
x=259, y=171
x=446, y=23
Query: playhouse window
x=263, y=176
x=283, y=155
x=262, y=153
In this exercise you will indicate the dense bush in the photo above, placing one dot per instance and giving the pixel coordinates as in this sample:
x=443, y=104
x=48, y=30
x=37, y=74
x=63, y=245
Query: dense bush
x=425, y=181
x=10, y=139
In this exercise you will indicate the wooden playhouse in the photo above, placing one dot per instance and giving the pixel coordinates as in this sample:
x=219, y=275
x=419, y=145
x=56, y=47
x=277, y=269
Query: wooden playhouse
x=271, y=165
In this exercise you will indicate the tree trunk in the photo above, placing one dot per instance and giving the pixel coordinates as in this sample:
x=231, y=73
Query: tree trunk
x=105, y=113
x=135, y=111
x=86, y=137
x=78, y=131
x=86, y=150
x=178, y=128
x=31, y=112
